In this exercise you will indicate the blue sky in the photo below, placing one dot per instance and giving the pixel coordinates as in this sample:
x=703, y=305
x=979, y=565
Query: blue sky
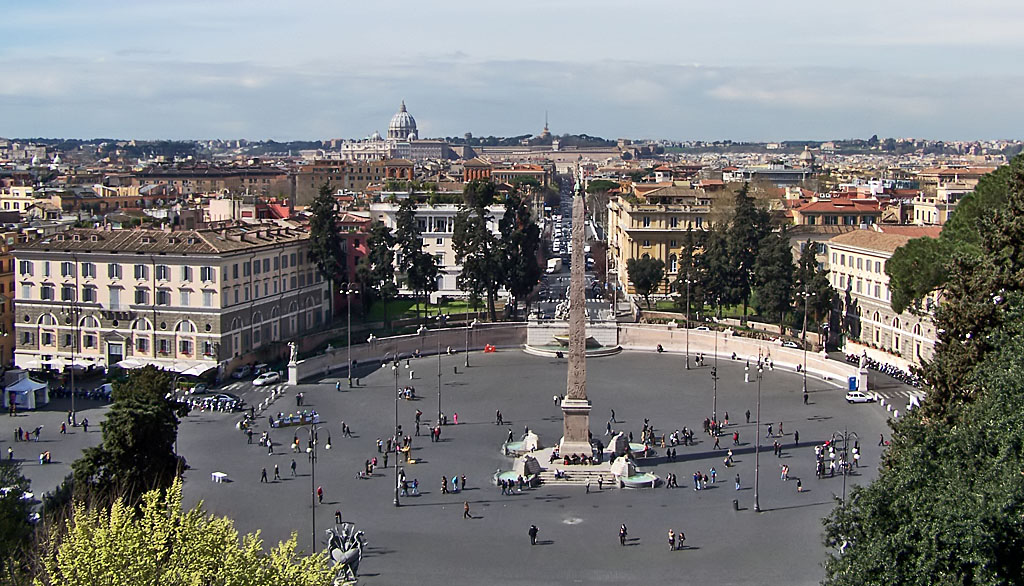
x=682, y=69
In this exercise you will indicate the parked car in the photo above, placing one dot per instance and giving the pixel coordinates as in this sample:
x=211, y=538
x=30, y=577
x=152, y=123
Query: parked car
x=261, y=368
x=859, y=397
x=242, y=372
x=790, y=344
x=702, y=329
x=267, y=378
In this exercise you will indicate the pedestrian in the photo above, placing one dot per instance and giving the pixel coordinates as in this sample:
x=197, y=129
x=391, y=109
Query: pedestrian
x=781, y=432
x=680, y=539
x=748, y=415
x=608, y=428
x=737, y=482
x=337, y=516
x=455, y=418
x=796, y=438
x=735, y=438
x=444, y=484
x=293, y=467
x=497, y=417
x=20, y=432
x=588, y=486
x=600, y=483
x=263, y=477
x=613, y=415
x=881, y=440
x=714, y=474
x=320, y=494
x=380, y=446
x=623, y=532
x=248, y=434
x=337, y=386
x=671, y=540
x=63, y=428
x=769, y=434
x=85, y=425
x=462, y=481
x=533, y=534
x=386, y=459
x=465, y=510
x=805, y=397
x=277, y=473
x=799, y=486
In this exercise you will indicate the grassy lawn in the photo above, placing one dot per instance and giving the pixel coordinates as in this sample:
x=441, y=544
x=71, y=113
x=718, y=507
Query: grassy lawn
x=399, y=308
x=727, y=310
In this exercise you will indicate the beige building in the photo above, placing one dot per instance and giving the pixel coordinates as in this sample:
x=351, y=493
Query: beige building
x=187, y=301
x=653, y=226
x=857, y=265
x=9, y=241
x=16, y=198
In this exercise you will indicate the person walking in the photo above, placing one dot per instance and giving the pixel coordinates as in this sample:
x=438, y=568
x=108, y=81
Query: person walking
x=805, y=397
x=623, y=532
x=716, y=443
x=881, y=440
x=248, y=435
x=465, y=510
x=444, y=484
x=63, y=428
x=748, y=415
x=533, y=534
x=293, y=467
x=737, y=482
x=671, y=540
x=769, y=434
x=85, y=425
x=320, y=494
x=613, y=416
x=680, y=539
x=714, y=474
x=263, y=477
x=796, y=438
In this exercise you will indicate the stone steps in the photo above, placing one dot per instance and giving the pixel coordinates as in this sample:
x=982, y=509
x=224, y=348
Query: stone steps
x=578, y=476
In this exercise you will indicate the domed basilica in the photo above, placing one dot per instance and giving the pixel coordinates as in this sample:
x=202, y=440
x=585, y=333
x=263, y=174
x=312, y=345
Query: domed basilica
x=402, y=142
x=403, y=125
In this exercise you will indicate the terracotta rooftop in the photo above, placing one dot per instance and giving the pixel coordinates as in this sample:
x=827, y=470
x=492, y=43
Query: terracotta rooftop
x=912, y=231
x=871, y=240
x=207, y=241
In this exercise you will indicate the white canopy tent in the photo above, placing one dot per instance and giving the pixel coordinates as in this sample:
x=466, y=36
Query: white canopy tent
x=25, y=392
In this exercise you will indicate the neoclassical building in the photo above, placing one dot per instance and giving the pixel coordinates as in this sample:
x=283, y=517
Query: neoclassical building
x=187, y=301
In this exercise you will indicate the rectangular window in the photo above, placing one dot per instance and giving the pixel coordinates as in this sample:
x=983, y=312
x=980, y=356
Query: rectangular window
x=26, y=338
x=234, y=271
x=89, y=294
x=113, y=271
x=275, y=286
x=674, y=222
x=142, y=297
x=246, y=292
x=185, y=346
x=67, y=269
x=878, y=291
x=163, y=273
x=266, y=265
x=46, y=293
x=67, y=293
x=236, y=294
x=142, y=345
x=207, y=298
x=46, y=339
x=293, y=282
x=163, y=297
x=184, y=297
x=208, y=348
x=164, y=346
x=859, y=261
x=858, y=285
x=186, y=273
x=245, y=269
x=115, y=297
x=26, y=291
x=89, y=269
x=878, y=267
x=293, y=259
x=256, y=266
x=68, y=340
x=842, y=260
x=647, y=242
x=46, y=268
x=672, y=243
x=206, y=274
x=141, y=272
x=647, y=222
x=89, y=341
x=25, y=267
x=277, y=263
x=302, y=279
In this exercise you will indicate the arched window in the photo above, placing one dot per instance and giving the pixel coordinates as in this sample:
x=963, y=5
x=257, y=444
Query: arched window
x=142, y=325
x=185, y=327
x=876, y=318
x=646, y=255
x=673, y=263
x=47, y=319
x=895, y=323
x=917, y=329
x=89, y=322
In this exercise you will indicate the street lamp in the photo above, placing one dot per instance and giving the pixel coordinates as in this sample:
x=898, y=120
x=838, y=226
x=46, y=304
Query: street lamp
x=394, y=368
x=714, y=381
x=806, y=295
x=348, y=290
x=688, y=281
x=757, y=445
x=469, y=327
x=437, y=336
x=845, y=435
x=311, y=450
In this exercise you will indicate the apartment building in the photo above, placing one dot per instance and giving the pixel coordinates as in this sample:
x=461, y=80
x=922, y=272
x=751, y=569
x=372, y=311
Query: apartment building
x=857, y=266
x=437, y=225
x=8, y=240
x=654, y=226
x=186, y=301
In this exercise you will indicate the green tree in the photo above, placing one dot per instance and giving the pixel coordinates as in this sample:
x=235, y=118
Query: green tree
x=376, y=270
x=748, y=227
x=813, y=279
x=137, y=453
x=520, y=239
x=715, y=273
x=15, y=526
x=646, y=274
x=162, y=543
x=773, y=277
x=325, y=247
x=419, y=267
x=476, y=248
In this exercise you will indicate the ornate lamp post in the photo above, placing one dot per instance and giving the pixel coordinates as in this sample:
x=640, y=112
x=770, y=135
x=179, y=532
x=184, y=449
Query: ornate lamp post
x=806, y=295
x=348, y=290
x=469, y=327
x=311, y=450
x=441, y=318
x=845, y=436
x=394, y=368
x=757, y=446
x=688, y=281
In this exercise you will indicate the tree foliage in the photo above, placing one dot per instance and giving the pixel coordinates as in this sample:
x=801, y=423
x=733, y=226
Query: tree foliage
x=476, y=247
x=520, y=240
x=713, y=267
x=137, y=453
x=773, y=277
x=15, y=526
x=812, y=279
x=646, y=274
x=419, y=267
x=376, y=270
x=162, y=543
x=748, y=227
x=325, y=246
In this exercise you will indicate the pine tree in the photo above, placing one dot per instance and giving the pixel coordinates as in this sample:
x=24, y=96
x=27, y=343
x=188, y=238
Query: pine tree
x=325, y=247
x=376, y=270
x=747, y=229
x=520, y=241
x=773, y=277
x=476, y=248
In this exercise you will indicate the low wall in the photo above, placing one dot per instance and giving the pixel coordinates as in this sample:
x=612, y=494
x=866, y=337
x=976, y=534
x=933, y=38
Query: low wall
x=879, y=356
x=542, y=333
x=672, y=339
x=502, y=335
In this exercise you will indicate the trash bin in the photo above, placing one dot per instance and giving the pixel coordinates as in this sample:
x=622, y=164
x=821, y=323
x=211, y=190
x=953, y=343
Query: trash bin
x=735, y=504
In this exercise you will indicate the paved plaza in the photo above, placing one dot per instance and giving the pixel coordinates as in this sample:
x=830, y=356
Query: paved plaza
x=427, y=541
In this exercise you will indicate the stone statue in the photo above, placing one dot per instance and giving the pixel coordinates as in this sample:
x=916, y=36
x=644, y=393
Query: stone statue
x=863, y=360
x=293, y=358
x=345, y=547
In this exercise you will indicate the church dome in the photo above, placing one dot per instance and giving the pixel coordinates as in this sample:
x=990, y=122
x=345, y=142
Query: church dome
x=403, y=125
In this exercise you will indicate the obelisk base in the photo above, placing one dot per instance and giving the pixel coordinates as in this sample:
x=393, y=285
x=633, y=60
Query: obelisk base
x=576, y=427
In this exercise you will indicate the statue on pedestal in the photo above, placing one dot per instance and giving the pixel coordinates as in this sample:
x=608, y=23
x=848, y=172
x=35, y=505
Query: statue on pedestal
x=293, y=357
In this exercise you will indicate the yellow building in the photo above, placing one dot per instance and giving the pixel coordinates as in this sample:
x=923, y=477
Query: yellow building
x=7, y=339
x=653, y=225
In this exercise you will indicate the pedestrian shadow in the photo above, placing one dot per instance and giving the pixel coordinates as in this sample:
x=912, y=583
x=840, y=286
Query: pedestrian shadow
x=545, y=542
x=632, y=541
x=801, y=506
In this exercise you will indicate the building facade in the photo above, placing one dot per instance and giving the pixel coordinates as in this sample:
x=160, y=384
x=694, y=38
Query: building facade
x=857, y=267
x=187, y=301
x=654, y=226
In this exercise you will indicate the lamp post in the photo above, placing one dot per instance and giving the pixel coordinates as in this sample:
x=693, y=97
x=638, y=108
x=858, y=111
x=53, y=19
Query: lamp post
x=437, y=336
x=845, y=436
x=311, y=450
x=688, y=281
x=469, y=327
x=394, y=368
x=757, y=445
x=806, y=295
x=348, y=290
x=714, y=381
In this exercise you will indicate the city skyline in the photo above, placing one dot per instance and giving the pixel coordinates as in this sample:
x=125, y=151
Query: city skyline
x=317, y=70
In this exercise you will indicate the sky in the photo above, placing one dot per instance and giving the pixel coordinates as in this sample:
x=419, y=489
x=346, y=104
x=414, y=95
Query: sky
x=676, y=69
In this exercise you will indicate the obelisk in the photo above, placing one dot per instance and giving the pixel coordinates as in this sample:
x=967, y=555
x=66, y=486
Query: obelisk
x=576, y=406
